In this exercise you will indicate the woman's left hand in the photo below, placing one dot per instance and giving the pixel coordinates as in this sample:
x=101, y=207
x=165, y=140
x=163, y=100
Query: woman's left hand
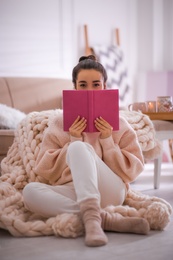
x=103, y=127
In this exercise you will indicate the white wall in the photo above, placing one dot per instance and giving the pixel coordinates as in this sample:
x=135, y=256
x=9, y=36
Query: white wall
x=46, y=37
x=155, y=46
x=33, y=38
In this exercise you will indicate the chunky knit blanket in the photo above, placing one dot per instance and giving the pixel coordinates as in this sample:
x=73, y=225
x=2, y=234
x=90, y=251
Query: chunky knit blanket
x=18, y=169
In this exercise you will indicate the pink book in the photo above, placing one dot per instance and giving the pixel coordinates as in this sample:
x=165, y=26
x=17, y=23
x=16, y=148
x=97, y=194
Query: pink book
x=91, y=104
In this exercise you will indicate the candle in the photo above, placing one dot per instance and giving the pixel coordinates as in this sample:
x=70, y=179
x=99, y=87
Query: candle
x=151, y=106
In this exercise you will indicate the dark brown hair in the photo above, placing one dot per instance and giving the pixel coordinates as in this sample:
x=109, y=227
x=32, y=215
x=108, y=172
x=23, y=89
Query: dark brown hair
x=87, y=63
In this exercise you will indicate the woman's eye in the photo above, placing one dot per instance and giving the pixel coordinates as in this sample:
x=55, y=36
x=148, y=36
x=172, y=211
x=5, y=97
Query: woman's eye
x=96, y=85
x=82, y=85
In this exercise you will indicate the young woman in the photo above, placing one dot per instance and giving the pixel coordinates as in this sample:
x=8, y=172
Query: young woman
x=87, y=171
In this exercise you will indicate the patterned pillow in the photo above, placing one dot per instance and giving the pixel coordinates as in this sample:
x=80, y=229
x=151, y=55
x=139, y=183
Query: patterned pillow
x=112, y=58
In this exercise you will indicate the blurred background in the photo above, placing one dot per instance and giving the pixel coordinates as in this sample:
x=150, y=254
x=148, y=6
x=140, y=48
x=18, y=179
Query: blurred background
x=46, y=37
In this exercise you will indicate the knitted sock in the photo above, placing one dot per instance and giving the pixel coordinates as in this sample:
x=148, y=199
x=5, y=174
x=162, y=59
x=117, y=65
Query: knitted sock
x=94, y=234
x=116, y=222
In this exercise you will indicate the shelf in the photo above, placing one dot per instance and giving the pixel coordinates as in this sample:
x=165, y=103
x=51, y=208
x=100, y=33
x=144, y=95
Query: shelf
x=160, y=115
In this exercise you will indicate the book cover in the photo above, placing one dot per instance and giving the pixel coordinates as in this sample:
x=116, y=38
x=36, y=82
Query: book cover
x=91, y=104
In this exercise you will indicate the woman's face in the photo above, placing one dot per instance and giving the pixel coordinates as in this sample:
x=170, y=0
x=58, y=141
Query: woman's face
x=90, y=79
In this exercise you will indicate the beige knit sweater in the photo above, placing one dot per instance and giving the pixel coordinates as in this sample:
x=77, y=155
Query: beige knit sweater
x=121, y=152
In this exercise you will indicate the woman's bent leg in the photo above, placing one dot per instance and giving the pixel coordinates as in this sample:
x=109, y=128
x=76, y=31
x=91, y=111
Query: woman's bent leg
x=48, y=201
x=111, y=187
x=80, y=158
x=92, y=177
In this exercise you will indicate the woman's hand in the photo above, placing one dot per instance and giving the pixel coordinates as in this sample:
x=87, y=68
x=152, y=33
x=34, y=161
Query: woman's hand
x=103, y=127
x=78, y=127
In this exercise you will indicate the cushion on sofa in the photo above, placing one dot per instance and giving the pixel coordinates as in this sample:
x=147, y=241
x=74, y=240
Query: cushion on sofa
x=10, y=117
x=37, y=94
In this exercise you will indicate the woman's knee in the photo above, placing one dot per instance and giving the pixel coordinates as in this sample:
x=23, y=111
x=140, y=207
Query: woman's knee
x=79, y=146
x=29, y=191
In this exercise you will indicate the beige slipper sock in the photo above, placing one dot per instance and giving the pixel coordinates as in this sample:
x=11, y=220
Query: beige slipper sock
x=94, y=234
x=116, y=222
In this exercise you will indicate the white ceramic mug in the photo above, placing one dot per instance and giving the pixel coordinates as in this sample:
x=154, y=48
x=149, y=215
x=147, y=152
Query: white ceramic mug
x=138, y=106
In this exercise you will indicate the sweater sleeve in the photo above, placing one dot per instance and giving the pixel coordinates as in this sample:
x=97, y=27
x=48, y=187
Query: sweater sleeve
x=122, y=153
x=51, y=159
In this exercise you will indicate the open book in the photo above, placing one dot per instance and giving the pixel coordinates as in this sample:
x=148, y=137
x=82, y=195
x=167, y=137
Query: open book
x=91, y=104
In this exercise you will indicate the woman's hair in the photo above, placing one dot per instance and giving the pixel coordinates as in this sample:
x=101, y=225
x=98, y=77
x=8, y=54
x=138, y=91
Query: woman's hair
x=87, y=63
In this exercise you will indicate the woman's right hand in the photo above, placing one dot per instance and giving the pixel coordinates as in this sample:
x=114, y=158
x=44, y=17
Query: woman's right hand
x=78, y=127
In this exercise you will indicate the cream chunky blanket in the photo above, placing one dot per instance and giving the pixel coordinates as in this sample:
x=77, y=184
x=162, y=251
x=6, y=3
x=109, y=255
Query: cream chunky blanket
x=18, y=169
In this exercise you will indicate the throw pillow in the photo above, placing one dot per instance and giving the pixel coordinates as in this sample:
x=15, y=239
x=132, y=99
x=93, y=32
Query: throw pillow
x=10, y=117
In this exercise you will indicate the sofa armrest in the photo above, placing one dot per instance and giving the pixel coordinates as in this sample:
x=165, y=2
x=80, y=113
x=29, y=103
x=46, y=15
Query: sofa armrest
x=5, y=95
x=6, y=140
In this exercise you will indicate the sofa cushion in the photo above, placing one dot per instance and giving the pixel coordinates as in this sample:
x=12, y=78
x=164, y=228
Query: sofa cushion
x=37, y=94
x=10, y=117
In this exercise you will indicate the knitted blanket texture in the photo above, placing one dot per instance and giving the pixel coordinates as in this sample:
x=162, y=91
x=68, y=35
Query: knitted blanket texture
x=17, y=169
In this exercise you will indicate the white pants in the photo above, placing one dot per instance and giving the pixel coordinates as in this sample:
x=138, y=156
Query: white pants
x=92, y=178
